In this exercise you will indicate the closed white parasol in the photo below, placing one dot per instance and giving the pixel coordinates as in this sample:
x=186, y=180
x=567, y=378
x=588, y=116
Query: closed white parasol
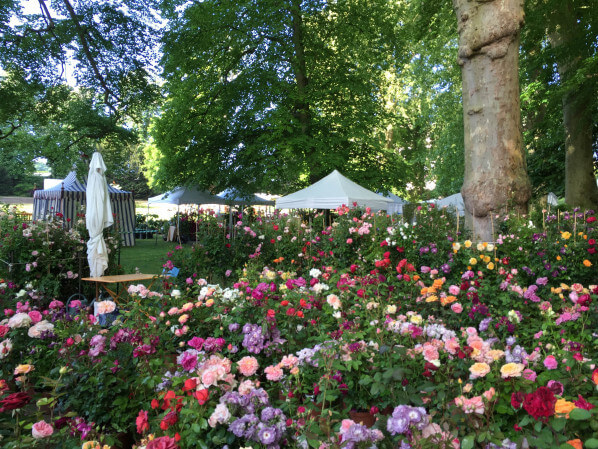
x=98, y=215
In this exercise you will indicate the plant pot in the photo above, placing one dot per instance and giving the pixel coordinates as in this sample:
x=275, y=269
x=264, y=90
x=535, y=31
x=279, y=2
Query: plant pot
x=365, y=418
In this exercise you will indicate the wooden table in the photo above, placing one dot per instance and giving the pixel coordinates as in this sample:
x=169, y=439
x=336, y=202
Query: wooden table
x=124, y=280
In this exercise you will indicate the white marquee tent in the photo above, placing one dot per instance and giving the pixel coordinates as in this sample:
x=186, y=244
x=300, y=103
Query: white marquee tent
x=331, y=192
x=396, y=207
x=452, y=203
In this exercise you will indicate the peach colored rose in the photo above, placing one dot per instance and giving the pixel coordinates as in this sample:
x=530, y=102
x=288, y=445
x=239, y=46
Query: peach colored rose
x=479, y=370
x=248, y=366
x=511, y=370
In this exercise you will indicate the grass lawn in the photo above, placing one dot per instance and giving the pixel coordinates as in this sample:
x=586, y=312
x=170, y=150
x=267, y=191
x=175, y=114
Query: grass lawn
x=147, y=255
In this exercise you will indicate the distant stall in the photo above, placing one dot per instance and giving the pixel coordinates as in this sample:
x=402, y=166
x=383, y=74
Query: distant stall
x=68, y=198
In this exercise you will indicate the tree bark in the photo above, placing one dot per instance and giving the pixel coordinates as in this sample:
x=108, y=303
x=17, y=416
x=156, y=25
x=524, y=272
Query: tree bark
x=495, y=168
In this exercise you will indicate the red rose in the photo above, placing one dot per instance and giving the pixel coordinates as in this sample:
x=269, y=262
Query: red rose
x=592, y=242
x=517, y=399
x=202, y=396
x=582, y=403
x=14, y=401
x=141, y=421
x=540, y=403
x=162, y=443
x=590, y=219
x=4, y=330
x=170, y=419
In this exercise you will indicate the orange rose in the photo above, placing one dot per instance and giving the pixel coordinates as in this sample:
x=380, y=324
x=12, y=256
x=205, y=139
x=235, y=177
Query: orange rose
x=563, y=407
x=576, y=443
x=595, y=376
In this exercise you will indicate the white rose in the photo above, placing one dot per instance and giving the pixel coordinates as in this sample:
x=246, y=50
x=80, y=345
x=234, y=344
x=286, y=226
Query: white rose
x=5, y=347
x=391, y=309
x=36, y=330
x=19, y=320
x=176, y=293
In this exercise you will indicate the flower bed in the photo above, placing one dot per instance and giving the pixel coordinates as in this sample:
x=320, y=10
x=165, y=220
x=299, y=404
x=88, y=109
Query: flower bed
x=439, y=340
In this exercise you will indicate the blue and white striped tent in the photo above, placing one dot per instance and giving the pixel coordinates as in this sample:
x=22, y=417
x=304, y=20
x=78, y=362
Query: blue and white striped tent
x=68, y=197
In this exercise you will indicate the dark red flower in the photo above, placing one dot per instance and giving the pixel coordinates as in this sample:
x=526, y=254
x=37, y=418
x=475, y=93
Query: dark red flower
x=517, y=399
x=170, y=419
x=582, y=403
x=14, y=401
x=540, y=403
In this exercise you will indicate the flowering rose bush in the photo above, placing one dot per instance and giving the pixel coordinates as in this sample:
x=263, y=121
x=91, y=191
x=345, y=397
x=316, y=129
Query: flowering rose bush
x=440, y=340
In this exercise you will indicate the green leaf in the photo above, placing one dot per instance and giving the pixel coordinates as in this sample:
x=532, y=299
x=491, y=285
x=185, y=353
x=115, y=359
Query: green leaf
x=468, y=442
x=538, y=426
x=579, y=414
x=591, y=443
x=558, y=424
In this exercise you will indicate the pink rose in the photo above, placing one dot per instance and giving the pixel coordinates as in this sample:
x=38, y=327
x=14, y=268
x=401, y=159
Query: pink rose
x=529, y=374
x=41, y=429
x=273, y=373
x=550, y=362
x=456, y=307
x=248, y=366
x=35, y=316
x=454, y=290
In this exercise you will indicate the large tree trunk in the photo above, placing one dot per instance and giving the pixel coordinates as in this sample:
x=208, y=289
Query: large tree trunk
x=495, y=168
x=580, y=180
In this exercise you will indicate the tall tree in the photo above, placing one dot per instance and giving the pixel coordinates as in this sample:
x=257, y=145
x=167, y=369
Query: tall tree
x=495, y=168
x=264, y=95
x=560, y=62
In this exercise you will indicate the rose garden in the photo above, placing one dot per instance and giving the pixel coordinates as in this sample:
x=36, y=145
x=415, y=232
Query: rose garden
x=366, y=330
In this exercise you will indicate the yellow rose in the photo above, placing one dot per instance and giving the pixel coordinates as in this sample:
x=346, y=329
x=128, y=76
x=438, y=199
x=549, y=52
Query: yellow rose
x=511, y=370
x=563, y=407
x=23, y=369
x=467, y=243
x=473, y=261
x=490, y=266
x=479, y=369
x=432, y=298
x=566, y=235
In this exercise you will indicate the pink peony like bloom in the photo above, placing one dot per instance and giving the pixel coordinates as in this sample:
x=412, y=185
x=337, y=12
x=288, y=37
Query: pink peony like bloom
x=41, y=429
x=456, y=307
x=273, y=373
x=35, y=316
x=248, y=366
x=529, y=374
x=550, y=362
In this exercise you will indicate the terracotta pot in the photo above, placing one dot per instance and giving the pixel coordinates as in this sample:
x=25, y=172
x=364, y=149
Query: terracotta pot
x=365, y=418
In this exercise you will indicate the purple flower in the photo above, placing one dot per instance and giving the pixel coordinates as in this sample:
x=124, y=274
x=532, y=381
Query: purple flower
x=484, y=324
x=244, y=427
x=397, y=425
x=267, y=435
x=234, y=327
x=542, y=281
x=357, y=433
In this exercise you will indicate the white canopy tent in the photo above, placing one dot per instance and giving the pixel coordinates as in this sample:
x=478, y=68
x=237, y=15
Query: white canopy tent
x=396, y=207
x=331, y=192
x=185, y=195
x=232, y=197
x=452, y=203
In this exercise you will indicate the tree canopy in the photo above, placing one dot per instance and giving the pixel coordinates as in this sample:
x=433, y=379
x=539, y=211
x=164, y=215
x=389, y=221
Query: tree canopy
x=271, y=95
